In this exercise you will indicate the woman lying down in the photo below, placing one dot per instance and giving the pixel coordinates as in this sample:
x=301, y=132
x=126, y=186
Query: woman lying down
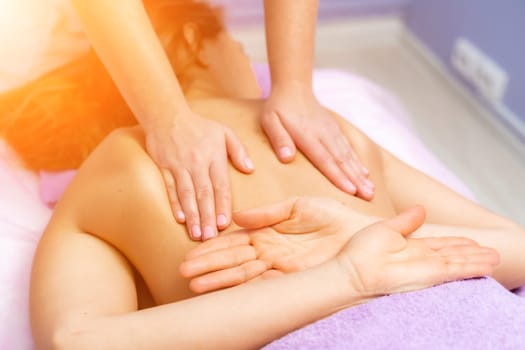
x=115, y=270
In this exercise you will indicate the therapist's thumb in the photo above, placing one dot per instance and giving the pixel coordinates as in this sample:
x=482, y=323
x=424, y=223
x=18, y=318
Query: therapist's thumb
x=279, y=137
x=237, y=153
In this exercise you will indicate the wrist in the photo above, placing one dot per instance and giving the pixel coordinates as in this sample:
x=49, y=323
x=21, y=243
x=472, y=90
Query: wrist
x=346, y=282
x=166, y=120
x=302, y=88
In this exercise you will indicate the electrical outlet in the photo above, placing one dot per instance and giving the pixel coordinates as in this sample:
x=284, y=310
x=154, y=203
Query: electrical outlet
x=489, y=79
x=465, y=58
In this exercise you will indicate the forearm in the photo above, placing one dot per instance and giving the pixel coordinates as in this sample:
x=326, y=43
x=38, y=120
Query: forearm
x=508, y=241
x=290, y=36
x=244, y=317
x=124, y=39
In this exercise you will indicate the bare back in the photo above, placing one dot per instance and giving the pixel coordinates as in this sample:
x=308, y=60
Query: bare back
x=272, y=180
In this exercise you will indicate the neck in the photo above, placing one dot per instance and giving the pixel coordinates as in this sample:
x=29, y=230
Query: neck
x=199, y=84
x=198, y=89
x=203, y=84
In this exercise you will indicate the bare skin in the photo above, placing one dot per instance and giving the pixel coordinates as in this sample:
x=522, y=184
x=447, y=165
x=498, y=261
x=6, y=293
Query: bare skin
x=113, y=247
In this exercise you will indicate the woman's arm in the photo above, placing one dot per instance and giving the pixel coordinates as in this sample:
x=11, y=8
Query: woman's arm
x=83, y=297
x=114, y=220
x=246, y=317
x=91, y=305
x=450, y=214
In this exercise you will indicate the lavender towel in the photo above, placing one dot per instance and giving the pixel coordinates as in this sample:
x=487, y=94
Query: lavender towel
x=475, y=314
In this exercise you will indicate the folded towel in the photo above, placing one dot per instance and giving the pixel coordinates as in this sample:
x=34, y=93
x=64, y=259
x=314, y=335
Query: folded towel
x=475, y=314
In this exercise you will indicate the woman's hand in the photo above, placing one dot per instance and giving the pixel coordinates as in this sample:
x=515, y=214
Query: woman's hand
x=192, y=153
x=293, y=117
x=379, y=259
x=288, y=236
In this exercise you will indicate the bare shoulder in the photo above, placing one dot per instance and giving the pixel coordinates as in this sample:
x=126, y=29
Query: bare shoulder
x=104, y=179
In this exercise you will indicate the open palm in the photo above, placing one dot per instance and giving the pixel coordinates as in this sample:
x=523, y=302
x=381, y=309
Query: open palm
x=285, y=237
x=253, y=254
x=381, y=260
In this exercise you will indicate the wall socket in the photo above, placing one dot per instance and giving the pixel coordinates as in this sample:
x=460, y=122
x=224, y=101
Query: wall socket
x=480, y=70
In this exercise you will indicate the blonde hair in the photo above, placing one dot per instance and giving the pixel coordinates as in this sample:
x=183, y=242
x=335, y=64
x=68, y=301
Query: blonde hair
x=54, y=122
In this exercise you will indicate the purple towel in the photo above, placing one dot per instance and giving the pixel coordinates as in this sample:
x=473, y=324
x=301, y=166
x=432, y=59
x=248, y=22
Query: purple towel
x=474, y=314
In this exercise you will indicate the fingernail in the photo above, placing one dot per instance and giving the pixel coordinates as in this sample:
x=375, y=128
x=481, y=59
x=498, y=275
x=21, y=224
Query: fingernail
x=195, y=232
x=367, y=191
x=349, y=187
x=285, y=153
x=366, y=171
x=221, y=220
x=248, y=164
x=208, y=233
x=369, y=184
x=180, y=216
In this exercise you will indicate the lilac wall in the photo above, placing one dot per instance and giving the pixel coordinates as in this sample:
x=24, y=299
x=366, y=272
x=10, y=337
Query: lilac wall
x=496, y=27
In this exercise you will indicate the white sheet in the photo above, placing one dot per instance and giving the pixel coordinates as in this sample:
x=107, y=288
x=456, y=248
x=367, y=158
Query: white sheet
x=22, y=218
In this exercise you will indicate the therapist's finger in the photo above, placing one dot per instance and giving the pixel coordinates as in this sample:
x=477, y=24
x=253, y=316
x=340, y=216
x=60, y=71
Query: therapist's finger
x=205, y=203
x=279, y=137
x=237, y=153
x=187, y=200
x=176, y=208
x=222, y=193
x=366, y=188
x=343, y=155
x=317, y=153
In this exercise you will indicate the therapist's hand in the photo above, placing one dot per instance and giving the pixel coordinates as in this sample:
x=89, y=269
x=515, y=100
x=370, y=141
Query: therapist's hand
x=192, y=154
x=292, y=117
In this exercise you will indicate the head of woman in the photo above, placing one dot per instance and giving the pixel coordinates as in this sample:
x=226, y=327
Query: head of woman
x=54, y=122
x=201, y=50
